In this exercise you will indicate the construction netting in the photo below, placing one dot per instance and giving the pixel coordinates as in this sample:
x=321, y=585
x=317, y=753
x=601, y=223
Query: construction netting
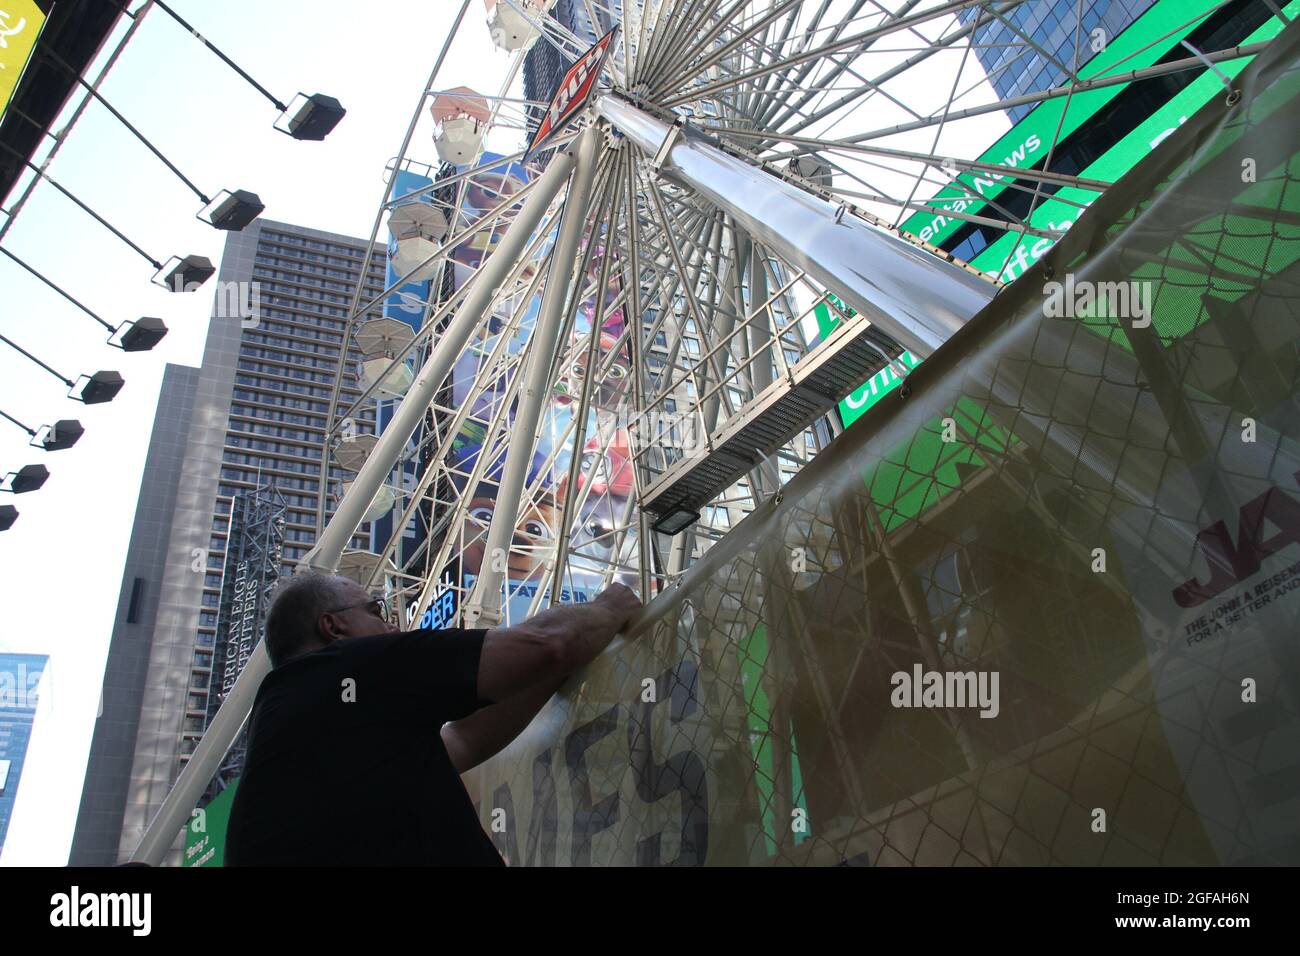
x=1038, y=607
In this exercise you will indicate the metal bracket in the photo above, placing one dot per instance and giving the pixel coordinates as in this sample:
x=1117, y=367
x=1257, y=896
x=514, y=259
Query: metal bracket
x=1223, y=77
x=666, y=147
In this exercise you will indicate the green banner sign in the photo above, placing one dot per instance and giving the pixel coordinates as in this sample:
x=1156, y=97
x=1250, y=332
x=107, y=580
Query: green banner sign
x=205, y=835
x=1012, y=254
x=1145, y=41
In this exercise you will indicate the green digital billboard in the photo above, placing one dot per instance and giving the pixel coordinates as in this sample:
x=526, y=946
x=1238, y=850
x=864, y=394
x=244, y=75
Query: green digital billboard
x=1027, y=143
x=1012, y=253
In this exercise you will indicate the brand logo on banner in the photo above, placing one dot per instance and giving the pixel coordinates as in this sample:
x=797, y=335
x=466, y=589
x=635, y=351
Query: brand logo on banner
x=573, y=93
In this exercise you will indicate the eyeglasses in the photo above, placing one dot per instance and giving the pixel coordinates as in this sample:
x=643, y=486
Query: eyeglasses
x=376, y=606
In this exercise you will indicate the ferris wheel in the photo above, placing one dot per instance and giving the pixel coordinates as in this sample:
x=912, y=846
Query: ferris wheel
x=600, y=351
x=629, y=287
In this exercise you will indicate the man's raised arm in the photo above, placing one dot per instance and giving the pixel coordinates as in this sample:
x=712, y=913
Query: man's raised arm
x=522, y=666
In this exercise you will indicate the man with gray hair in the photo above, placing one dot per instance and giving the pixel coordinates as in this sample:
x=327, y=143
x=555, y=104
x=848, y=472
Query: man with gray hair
x=360, y=732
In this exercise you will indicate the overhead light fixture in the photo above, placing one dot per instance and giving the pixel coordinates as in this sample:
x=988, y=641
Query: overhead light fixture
x=26, y=479
x=8, y=515
x=62, y=434
x=310, y=117
x=140, y=335
x=184, y=275
x=320, y=117
x=234, y=212
x=675, y=520
x=99, y=388
x=56, y=437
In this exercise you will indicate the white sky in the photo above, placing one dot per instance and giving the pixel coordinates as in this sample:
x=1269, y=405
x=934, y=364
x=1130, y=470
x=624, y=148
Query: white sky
x=61, y=564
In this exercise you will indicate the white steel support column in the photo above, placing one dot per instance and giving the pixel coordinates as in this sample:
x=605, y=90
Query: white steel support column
x=482, y=607
x=234, y=710
x=915, y=298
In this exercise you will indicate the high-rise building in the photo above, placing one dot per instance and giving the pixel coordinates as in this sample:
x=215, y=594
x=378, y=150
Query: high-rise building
x=1029, y=48
x=243, y=432
x=20, y=678
x=544, y=65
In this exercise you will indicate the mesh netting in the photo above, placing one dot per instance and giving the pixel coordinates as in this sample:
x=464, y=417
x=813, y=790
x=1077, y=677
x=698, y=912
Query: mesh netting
x=1099, y=511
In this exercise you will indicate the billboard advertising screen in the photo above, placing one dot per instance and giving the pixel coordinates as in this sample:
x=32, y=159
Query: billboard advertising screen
x=1150, y=37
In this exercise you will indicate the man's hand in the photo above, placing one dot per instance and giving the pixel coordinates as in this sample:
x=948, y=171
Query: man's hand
x=521, y=666
x=621, y=601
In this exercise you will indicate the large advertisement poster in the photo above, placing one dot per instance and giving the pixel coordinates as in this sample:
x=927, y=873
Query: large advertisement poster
x=407, y=247
x=1026, y=144
x=598, y=508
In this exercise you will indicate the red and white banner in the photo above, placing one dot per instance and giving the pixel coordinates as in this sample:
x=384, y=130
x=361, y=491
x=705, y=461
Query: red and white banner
x=573, y=93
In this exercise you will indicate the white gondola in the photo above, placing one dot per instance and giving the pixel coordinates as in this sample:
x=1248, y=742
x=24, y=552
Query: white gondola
x=379, y=506
x=382, y=336
x=394, y=379
x=418, y=229
x=511, y=29
x=351, y=452
x=358, y=566
x=462, y=117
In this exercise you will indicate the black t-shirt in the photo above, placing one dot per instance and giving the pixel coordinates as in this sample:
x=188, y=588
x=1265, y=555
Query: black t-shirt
x=345, y=762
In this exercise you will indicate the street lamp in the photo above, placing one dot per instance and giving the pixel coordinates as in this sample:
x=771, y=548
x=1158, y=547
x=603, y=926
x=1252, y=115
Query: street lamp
x=100, y=387
x=25, y=479
x=310, y=117
x=141, y=335
x=62, y=434
x=138, y=336
x=184, y=275
x=233, y=212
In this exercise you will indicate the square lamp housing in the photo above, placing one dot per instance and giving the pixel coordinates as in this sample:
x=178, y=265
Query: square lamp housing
x=312, y=117
x=143, y=334
x=28, y=479
x=675, y=520
x=101, y=387
x=189, y=273
x=62, y=434
x=8, y=515
x=234, y=212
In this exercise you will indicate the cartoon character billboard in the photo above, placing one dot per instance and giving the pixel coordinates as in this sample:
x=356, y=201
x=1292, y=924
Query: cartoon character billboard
x=534, y=542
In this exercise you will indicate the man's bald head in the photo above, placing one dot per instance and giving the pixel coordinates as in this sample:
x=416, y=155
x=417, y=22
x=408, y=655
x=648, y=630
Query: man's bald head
x=292, y=625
